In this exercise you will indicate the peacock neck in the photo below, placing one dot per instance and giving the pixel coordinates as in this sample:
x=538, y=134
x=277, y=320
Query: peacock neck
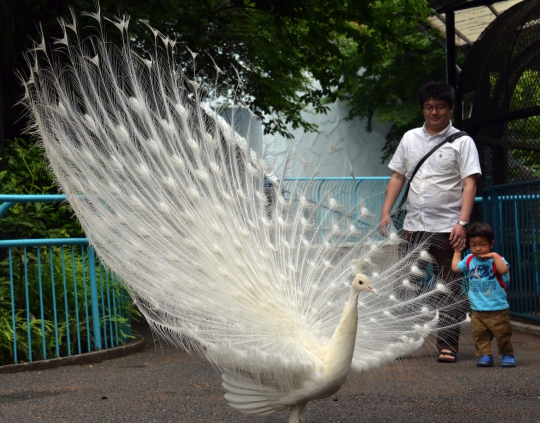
x=340, y=349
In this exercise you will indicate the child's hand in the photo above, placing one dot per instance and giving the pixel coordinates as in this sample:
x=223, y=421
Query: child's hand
x=491, y=255
x=460, y=247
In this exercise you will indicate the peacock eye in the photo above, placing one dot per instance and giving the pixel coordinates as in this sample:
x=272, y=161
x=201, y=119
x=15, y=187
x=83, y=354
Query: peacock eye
x=360, y=282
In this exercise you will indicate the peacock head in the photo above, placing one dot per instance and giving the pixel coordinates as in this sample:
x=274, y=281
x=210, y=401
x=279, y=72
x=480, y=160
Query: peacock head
x=361, y=283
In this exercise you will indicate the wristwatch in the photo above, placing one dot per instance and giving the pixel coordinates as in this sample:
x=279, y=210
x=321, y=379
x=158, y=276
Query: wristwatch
x=464, y=224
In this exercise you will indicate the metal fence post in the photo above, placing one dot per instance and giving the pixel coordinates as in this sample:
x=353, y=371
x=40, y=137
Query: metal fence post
x=94, y=297
x=491, y=215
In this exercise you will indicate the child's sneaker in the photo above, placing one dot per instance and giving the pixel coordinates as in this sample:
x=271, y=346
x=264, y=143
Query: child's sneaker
x=486, y=361
x=508, y=361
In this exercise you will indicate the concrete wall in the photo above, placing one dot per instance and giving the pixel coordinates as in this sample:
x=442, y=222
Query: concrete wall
x=355, y=146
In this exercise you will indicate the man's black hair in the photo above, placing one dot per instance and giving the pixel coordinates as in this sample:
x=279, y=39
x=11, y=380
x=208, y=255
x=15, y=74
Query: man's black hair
x=438, y=91
x=480, y=229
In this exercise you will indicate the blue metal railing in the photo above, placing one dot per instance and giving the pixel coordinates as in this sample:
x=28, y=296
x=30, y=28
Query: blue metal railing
x=351, y=193
x=354, y=198
x=86, y=310
x=62, y=299
x=513, y=211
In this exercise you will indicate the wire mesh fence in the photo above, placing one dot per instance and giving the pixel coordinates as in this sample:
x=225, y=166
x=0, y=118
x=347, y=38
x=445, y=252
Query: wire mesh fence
x=499, y=96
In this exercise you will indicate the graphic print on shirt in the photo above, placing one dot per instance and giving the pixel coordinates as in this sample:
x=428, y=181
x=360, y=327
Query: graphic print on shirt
x=482, y=278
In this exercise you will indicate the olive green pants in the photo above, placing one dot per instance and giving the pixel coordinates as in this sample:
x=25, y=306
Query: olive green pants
x=492, y=324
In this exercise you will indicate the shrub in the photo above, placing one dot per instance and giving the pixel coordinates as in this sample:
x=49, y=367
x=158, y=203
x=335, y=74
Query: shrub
x=27, y=173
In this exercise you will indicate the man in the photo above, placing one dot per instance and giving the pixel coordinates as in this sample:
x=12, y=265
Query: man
x=441, y=195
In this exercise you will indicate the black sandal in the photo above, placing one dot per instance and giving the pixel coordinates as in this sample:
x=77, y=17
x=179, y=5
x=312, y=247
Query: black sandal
x=451, y=359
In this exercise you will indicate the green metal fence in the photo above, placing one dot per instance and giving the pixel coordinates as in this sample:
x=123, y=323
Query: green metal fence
x=56, y=298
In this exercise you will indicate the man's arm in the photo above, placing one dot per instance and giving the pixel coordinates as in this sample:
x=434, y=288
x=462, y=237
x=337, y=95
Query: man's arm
x=392, y=193
x=457, y=236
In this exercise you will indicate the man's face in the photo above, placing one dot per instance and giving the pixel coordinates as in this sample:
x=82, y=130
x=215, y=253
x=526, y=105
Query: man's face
x=437, y=115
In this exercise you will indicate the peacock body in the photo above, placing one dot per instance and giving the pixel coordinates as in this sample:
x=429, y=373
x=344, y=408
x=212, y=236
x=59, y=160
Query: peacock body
x=222, y=258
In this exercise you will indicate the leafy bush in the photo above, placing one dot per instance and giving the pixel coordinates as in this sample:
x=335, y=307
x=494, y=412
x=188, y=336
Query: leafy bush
x=27, y=173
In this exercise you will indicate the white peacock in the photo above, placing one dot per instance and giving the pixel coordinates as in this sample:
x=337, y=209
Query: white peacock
x=221, y=259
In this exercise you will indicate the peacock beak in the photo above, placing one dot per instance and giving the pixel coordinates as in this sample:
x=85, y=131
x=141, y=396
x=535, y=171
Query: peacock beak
x=370, y=289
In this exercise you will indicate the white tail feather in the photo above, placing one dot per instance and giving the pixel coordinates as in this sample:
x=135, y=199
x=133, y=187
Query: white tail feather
x=220, y=259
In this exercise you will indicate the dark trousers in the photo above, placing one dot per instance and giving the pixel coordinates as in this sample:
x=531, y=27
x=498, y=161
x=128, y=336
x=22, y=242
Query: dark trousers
x=440, y=248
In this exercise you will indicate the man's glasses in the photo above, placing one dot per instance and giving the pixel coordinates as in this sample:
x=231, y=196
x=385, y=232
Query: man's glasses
x=439, y=108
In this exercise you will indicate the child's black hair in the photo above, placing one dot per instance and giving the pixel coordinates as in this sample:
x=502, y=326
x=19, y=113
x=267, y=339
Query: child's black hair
x=480, y=229
x=438, y=91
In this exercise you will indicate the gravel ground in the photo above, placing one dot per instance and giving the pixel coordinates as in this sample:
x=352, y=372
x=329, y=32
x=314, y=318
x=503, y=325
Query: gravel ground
x=163, y=384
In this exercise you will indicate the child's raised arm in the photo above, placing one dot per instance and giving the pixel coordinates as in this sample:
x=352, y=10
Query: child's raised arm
x=456, y=259
x=501, y=266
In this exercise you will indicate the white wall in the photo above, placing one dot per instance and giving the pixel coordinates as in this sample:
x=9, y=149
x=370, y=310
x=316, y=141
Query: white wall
x=355, y=145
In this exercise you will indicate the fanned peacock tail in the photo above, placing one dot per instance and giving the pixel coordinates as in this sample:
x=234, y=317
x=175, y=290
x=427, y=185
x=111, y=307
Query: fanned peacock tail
x=222, y=257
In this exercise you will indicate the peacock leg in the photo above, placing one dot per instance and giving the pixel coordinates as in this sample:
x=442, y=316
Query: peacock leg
x=298, y=413
x=302, y=413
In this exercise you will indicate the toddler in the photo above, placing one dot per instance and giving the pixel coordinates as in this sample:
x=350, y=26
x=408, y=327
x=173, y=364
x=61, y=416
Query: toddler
x=487, y=274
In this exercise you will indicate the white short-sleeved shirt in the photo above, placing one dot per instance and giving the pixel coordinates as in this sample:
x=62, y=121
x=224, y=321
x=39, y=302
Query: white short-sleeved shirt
x=434, y=200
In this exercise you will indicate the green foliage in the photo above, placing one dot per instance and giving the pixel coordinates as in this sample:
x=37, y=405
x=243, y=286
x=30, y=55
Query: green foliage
x=280, y=48
x=393, y=65
x=40, y=321
x=276, y=48
x=27, y=173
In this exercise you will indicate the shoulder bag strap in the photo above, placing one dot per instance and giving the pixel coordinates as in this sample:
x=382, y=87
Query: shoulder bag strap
x=448, y=139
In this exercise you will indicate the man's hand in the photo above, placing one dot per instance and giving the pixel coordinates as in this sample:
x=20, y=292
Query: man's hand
x=392, y=193
x=457, y=237
x=385, y=224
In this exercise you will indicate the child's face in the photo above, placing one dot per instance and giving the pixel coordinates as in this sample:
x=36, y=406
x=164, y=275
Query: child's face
x=480, y=246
